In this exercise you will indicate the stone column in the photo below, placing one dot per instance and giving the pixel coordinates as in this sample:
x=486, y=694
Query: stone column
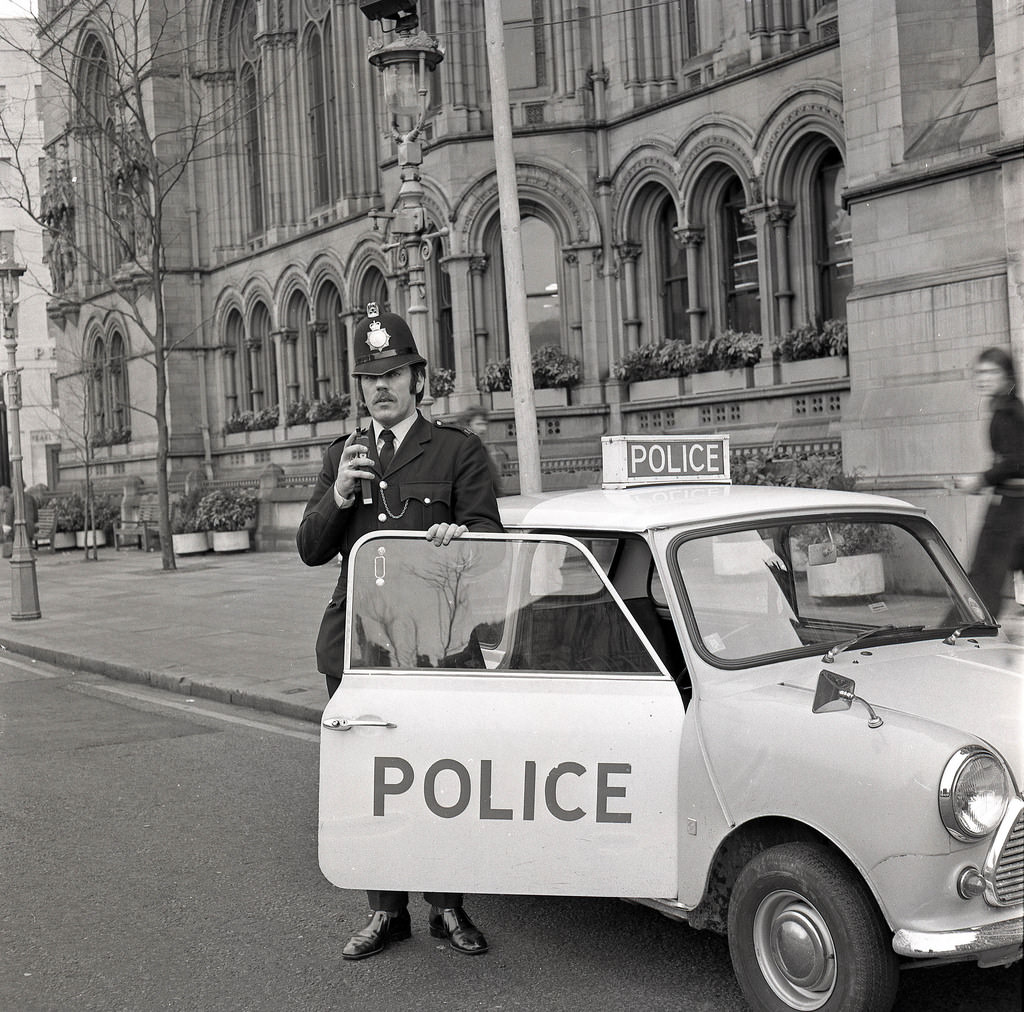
x=231, y=404
x=477, y=268
x=322, y=380
x=692, y=239
x=779, y=217
x=628, y=253
x=253, y=345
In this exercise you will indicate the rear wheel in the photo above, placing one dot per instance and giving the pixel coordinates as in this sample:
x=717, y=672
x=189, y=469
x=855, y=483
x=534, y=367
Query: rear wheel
x=804, y=934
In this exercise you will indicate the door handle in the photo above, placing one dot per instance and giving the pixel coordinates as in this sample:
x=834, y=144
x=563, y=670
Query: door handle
x=344, y=724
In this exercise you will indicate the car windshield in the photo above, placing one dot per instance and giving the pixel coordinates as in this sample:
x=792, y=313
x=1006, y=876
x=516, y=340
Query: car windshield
x=799, y=586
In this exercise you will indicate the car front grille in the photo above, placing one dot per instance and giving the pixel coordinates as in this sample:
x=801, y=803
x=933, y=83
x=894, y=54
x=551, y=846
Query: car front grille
x=1006, y=878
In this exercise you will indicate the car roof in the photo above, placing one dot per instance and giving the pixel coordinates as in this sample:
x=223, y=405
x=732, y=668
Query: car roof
x=642, y=508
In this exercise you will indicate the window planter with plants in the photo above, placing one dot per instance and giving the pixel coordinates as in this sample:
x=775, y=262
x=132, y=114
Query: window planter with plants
x=188, y=533
x=310, y=412
x=813, y=352
x=241, y=423
x=229, y=514
x=723, y=362
x=554, y=373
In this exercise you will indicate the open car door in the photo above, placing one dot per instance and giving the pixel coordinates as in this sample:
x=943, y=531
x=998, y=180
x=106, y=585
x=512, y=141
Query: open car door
x=502, y=726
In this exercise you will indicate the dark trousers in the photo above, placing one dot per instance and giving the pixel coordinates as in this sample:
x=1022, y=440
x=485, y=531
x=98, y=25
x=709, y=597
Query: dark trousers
x=997, y=549
x=396, y=902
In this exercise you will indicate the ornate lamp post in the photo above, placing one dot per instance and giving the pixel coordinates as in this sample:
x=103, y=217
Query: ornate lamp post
x=24, y=592
x=405, y=62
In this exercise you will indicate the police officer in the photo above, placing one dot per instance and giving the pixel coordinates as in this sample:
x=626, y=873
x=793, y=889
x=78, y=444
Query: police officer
x=402, y=473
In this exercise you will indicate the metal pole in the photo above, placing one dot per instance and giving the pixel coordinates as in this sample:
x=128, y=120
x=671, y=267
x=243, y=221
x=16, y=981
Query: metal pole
x=24, y=591
x=520, y=357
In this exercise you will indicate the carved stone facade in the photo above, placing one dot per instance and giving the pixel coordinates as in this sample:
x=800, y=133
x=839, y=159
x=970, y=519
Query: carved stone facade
x=744, y=172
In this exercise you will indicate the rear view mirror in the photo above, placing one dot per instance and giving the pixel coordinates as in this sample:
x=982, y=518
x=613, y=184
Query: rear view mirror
x=821, y=554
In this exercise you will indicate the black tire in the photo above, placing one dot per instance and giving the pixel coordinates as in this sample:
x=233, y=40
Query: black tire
x=837, y=954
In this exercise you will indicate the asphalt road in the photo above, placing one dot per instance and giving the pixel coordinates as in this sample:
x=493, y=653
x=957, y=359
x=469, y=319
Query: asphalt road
x=160, y=853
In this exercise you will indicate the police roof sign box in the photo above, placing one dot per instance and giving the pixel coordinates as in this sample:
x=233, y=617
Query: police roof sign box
x=658, y=460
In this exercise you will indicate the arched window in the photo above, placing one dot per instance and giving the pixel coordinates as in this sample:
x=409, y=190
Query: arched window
x=673, y=283
x=334, y=371
x=740, y=261
x=120, y=406
x=316, y=116
x=96, y=412
x=95, y=126
x=264, y=361
x=252, y=146
x=833, y=239
x=244, y=57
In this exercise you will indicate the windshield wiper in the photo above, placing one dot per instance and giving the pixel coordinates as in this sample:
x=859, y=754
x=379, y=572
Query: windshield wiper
x=966, y=627
x=838, y=648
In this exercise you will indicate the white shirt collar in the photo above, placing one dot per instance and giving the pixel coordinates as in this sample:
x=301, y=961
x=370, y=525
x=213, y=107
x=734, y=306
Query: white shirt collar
x=400, y=429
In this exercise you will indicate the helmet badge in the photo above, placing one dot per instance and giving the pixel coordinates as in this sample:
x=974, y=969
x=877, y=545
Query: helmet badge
x=377, y=338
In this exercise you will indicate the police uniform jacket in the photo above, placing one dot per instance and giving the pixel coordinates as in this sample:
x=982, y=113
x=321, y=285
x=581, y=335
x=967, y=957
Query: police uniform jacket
x=440, y=474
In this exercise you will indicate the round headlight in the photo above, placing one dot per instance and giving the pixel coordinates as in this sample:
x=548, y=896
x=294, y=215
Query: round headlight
x=973, y=793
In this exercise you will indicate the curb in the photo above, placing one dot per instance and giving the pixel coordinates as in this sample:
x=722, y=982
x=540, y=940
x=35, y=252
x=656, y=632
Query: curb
x=180, y=684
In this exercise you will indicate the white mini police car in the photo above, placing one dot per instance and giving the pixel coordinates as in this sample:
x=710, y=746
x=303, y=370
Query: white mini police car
x=778, y=713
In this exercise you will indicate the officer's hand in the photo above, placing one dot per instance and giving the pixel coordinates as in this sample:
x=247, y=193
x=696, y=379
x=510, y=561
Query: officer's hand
x=442, y=534
x=353, y=467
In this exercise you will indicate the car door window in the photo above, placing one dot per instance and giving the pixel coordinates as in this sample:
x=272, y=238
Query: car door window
x=489, y=604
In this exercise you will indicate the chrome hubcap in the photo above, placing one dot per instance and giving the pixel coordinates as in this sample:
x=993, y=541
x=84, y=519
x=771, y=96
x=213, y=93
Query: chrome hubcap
x=794, y=950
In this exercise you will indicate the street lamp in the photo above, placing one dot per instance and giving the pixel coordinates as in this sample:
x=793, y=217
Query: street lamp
x=405, y=62
x=24, y=592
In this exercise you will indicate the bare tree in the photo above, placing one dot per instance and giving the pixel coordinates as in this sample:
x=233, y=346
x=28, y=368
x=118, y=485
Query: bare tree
x=127, y=120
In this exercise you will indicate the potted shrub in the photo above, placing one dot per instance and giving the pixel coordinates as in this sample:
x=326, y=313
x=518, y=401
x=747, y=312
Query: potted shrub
x=228, y=513
x=70, y=518
x=726, y=361
x=442, y=382
x=554, y=370
x=188, y=534
x=655, y=370
x=813, y=352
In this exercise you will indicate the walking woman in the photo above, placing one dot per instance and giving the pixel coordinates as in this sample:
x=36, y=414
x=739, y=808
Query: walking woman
x=1000, y=546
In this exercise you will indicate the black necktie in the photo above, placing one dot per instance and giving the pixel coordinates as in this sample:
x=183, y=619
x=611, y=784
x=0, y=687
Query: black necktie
x=387, y=449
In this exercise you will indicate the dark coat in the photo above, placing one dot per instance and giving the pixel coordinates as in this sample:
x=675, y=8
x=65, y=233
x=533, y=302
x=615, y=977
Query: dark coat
x=440, y=474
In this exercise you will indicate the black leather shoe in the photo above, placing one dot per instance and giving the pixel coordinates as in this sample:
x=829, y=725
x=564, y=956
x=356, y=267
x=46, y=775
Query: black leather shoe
x=462, y=934
x=381, y=929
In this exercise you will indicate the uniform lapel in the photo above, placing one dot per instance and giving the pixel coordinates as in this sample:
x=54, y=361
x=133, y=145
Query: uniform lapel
x=413, y=444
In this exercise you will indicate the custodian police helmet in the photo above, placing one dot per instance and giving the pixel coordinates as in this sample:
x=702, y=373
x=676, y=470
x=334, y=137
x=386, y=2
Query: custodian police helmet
x=383, y=342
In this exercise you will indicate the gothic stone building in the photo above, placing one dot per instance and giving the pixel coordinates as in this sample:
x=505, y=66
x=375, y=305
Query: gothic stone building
x=685, y=169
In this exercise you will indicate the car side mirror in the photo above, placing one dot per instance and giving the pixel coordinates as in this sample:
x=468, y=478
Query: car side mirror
x=837, y=692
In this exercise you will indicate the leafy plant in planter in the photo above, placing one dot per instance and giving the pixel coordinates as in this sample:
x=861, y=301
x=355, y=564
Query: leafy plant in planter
x=185, y=512
x=552, y=368
x=252, y=421
x=70, y=515
x=227, y=509
x=732, y=349
x=812, y=341
x=105, y=513
x=442, y=382
x=306, y=410
x=654, y=361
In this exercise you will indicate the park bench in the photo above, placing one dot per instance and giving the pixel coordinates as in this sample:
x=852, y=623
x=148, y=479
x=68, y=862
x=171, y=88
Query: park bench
x=143, y=529
x=46, y=526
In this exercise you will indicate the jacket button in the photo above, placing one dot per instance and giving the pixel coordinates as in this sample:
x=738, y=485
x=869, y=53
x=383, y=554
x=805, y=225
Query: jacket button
x=382, y=517
x=383, y=486
x=426, y=500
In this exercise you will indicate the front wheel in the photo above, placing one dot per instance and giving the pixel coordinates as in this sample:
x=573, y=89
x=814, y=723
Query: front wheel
x=804, y=934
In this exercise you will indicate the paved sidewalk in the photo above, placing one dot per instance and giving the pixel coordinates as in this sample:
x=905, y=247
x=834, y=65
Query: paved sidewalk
x=238, y=628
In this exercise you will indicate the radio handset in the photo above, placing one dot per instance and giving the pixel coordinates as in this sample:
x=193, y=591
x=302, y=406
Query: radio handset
x=367, y=488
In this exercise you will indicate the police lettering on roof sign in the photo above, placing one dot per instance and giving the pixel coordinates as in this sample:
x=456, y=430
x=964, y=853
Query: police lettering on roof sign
x=657, y=460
